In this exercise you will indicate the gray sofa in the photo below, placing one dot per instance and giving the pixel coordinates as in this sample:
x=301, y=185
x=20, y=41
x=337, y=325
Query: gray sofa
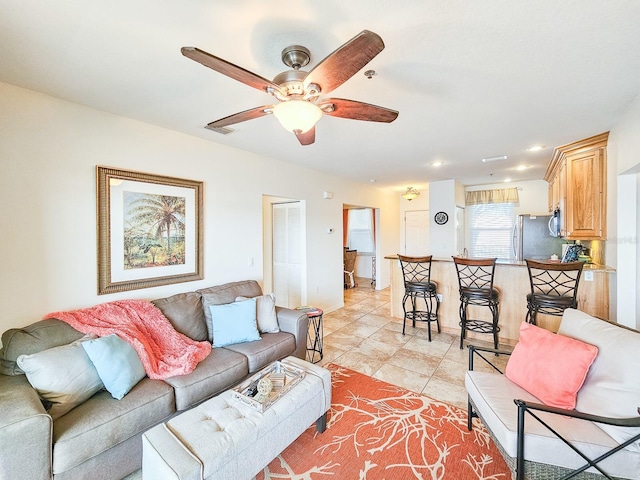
x=101, y=438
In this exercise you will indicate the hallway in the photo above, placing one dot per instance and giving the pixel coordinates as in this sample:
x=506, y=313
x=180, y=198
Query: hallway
x=364, y=337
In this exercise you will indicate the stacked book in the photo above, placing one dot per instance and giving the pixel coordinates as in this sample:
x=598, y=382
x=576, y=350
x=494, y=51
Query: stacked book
x=310, y=311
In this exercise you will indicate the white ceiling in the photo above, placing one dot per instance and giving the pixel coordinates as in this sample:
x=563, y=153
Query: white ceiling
x=471, y=79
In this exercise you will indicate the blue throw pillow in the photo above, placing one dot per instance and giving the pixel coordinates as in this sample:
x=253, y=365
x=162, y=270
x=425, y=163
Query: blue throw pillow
x=117, y=363
x=234, y=323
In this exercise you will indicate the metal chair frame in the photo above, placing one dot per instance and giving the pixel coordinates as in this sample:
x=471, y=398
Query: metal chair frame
x=416, y=272
x=475, y=281
x=554, y=288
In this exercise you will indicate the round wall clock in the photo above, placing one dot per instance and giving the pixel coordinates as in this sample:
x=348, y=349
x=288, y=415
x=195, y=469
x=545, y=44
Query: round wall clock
x=441, y=218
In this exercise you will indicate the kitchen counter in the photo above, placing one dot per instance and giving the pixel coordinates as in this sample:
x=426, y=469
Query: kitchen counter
x=512, y=280
x=587, y=266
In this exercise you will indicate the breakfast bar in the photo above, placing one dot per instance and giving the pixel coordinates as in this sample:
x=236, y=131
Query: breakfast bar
x=512, y=280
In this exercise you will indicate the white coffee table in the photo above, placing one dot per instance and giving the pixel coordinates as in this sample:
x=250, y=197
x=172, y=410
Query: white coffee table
x=224, y=438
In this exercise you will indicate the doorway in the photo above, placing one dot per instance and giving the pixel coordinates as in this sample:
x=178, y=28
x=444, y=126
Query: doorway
x=361, y=232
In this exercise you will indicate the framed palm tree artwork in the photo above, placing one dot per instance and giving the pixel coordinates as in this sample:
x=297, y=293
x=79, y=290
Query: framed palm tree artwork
x=149, y=230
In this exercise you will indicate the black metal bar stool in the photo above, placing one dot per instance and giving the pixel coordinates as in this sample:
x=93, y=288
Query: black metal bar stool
x=554, y=288
x=475, y=279
x=416, y=272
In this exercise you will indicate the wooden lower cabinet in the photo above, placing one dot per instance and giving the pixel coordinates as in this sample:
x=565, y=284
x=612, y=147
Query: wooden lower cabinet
x=513, y=283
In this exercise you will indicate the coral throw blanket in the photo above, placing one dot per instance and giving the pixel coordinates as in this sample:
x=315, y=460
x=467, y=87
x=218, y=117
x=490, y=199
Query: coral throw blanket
x=164, y=352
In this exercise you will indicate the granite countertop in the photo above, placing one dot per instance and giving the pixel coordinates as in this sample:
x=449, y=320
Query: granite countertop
x=587, y=266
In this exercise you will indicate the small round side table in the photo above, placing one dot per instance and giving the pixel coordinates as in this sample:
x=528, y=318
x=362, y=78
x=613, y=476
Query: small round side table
x=315, y=333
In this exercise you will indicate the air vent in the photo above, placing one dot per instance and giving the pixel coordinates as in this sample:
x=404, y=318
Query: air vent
x=222, y=130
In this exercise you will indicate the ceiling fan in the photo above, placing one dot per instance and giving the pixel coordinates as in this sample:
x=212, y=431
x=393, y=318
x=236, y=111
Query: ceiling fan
x=298, y=92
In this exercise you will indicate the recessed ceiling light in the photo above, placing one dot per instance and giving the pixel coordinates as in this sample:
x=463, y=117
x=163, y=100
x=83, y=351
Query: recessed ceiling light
x=437, y=163
x=536, y=148
x=522, y=167
x=507, y=180
x=373, y=180
x=494, y=159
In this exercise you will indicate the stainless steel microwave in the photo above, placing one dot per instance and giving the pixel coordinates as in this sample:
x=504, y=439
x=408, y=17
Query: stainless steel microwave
x=554, y=223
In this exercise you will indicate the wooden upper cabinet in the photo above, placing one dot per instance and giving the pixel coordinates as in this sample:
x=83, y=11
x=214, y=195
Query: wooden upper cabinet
x=558, y=189
x=577, y=179
x=584, y=195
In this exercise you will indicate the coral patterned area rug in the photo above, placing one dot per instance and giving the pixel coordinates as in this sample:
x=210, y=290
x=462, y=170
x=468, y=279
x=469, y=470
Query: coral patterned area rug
x=379, y=431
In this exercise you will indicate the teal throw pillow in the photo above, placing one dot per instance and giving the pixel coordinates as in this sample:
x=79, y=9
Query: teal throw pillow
x=117, y=363
x=234, y=323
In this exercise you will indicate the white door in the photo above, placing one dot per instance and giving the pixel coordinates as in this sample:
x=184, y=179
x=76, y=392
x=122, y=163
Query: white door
x=287, y=254
x=416, y=233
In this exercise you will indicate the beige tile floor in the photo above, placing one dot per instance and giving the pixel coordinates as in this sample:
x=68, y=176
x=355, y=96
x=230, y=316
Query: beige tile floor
x=363, y=336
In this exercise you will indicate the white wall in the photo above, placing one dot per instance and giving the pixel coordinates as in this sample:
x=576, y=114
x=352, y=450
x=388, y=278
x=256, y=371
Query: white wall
x=442, y=198
x=623, y=212
x=49, y=149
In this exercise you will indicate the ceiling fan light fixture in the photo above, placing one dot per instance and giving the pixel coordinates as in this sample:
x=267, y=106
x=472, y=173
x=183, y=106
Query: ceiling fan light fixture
x=297, y=115
x=410, y=194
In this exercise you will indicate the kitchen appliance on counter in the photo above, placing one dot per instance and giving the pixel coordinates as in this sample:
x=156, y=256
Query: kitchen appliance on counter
x=581, y=253
x=554, y=223
x=532, y=238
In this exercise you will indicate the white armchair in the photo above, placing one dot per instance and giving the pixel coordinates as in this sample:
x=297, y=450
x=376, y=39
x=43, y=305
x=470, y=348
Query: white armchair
x=601, y=436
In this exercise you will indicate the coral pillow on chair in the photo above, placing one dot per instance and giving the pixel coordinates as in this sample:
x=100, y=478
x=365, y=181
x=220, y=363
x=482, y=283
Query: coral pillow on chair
x=550, y=366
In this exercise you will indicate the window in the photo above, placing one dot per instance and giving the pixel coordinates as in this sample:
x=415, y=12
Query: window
x=490, y=230
x=360, y=230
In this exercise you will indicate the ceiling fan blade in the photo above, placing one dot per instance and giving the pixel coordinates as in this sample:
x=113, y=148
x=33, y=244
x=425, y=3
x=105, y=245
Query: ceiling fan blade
x=308, y=137
x=229, y=69
x=340, y=107
x=345, y=62
x=241, y=117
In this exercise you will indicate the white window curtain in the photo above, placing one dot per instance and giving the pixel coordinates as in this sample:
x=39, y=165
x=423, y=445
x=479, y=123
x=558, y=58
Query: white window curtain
x=491, y=220
x=360, y=230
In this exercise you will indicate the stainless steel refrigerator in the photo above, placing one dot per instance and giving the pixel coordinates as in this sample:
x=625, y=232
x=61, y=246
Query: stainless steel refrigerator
x=532, y=238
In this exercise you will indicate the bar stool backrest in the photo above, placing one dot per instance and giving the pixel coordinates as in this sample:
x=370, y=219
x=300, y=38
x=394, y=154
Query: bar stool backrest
x=415, y=269
x=554, y=279
x=475, y=273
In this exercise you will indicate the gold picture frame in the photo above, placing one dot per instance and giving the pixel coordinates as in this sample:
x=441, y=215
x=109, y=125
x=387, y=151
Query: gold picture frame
x=149, y=230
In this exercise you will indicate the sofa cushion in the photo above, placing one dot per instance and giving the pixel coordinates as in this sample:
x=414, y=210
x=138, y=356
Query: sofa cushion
x=63, y=376
x=226, y=293
x=102, y=422
x=34, y=338
x=272, y=347
x=265, y=312
x=117, y=364
x=185, y=313
x=552, y=367
x=612, y=387
x=234, y=323
x=216, y=373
